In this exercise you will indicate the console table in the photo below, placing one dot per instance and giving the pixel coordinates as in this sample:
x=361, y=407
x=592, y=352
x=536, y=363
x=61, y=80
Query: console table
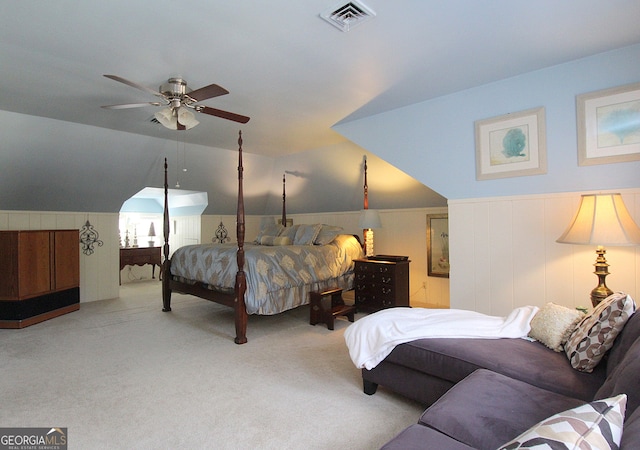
x=139, y=256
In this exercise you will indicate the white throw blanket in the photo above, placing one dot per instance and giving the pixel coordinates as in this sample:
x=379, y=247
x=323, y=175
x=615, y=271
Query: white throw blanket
x=371, y=338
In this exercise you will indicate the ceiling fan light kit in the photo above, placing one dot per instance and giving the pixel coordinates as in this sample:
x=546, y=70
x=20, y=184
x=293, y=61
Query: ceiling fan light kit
x=178, y=99
x=187, y=118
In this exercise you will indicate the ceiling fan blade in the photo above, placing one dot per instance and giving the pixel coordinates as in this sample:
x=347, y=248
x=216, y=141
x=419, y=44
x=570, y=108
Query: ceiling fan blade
x=223, y=114
x=213, y=90
x=134, y=85
x=131, y=105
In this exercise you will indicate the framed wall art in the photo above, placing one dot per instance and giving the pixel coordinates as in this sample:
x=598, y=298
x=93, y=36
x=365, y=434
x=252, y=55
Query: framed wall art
x=438, y=245
x=512, y=145
x=609, y=125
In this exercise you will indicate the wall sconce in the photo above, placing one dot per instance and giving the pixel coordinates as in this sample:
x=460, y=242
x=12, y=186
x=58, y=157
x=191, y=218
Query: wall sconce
x=369, y=219
x=601, y=219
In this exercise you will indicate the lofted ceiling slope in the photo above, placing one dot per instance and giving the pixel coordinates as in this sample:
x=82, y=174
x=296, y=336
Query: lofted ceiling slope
x=294, y=74
x=290, y=71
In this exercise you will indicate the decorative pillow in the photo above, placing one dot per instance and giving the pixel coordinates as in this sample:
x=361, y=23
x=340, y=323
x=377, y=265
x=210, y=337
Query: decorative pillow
x=306, y=234
x=289, y=232
x=596, y=425
x=595, y=334
x=553, y=324
x=270, y=230
x=275, y=240
x=327, y=234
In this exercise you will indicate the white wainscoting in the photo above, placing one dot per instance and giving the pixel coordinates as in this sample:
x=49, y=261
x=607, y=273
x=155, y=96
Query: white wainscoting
x=504, y=254
x=98, y=271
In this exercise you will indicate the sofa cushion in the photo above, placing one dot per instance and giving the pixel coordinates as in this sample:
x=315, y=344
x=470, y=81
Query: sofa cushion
x=625, y=379
x=629, y=334
x=631, y=431
x=419, y=437
x=595, y=425
x=553, y=324
x=454, y=359
x=487, y=409
x=597, y=331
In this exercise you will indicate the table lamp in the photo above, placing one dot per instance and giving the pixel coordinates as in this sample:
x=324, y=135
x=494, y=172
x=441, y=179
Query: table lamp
x=152, y=234
x=369, y=219
x=601, y=219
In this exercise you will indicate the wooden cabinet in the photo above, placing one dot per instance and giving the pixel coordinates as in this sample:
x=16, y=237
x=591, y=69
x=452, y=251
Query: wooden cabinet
x=39, y=275
x=381, y=284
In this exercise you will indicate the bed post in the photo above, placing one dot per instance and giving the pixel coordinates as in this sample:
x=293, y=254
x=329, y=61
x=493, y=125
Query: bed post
x=284, y=201
x=166, y=275
x=241, y=279
x=366, y=187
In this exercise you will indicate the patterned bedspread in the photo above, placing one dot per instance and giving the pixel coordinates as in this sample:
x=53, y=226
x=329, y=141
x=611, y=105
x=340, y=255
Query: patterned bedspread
x=278, y=277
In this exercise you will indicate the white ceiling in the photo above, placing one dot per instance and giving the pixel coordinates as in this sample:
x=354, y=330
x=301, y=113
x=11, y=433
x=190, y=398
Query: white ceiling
x=291, y=72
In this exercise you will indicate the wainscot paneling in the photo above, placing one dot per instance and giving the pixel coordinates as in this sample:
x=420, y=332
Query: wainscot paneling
x=504, y=254
x=98, y=271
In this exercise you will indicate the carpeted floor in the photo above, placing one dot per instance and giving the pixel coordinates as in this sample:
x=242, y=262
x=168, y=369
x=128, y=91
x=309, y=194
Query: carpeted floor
x=121, y=374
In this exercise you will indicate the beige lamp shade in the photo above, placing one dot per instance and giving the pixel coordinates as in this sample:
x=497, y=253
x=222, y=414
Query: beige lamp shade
x=602, y=219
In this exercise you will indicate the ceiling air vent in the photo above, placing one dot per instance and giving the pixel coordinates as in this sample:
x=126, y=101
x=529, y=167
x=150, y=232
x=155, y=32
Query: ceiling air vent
x=349, y=15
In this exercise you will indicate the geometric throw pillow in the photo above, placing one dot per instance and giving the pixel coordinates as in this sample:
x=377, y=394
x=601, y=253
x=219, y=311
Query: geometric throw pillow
x=596, y=425
x=553, y=324
x=595, y=334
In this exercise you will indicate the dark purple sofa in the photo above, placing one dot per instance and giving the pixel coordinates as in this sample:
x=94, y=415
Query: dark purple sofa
x=483, y=393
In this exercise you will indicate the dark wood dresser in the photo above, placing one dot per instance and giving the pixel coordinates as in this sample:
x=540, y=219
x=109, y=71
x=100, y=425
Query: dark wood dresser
x=381, y=284
x=139, y=256
x=39, y=276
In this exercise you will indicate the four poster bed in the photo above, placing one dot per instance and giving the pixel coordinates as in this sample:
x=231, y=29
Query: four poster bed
x=270, y=275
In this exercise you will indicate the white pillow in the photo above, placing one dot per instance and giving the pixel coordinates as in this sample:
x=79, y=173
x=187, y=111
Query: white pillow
x=553, y=324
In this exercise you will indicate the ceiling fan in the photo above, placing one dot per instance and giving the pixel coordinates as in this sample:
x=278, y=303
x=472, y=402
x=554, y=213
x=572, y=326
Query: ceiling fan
x=179, y=100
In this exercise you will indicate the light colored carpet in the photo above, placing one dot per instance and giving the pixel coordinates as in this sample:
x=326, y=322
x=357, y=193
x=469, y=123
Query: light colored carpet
x=122, y=374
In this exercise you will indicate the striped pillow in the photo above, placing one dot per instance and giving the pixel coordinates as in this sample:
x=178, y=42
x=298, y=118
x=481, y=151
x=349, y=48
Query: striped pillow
x=595, y=425
x=595, y=334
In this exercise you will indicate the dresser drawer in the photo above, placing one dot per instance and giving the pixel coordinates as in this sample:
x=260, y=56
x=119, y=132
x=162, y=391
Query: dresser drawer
x=381, y=284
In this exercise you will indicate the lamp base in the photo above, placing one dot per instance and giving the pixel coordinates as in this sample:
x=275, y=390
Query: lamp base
x=601, y=291
x=368, y=242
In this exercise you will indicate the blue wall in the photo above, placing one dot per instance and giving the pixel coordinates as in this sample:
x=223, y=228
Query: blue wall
x=433, y=141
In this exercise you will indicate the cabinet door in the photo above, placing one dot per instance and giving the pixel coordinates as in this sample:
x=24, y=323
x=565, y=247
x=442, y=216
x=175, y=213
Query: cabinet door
x=34, y=273
x=8, y=265
x=66, y=244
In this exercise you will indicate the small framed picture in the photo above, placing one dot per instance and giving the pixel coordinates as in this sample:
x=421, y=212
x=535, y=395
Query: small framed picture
x=512, y=145
x=438, y=245
x=609, y=125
